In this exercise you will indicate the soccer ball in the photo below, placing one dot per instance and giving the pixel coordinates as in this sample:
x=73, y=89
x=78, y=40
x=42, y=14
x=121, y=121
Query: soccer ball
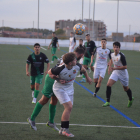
x=79, y=28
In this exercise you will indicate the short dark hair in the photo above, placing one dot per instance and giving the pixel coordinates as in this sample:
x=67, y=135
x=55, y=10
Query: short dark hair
x=117, y=44
x=80, y=39
x=80, y=50
x=71, y=32
x=69, y=57
x=36, y=44
x=53, y=32
x=104, y=39
x=87, y=34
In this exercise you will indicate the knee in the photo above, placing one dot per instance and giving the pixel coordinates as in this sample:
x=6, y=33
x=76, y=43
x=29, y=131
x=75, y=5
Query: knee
x=32, y=87
x=53, y=100
x=43, y=100
x=108, y=85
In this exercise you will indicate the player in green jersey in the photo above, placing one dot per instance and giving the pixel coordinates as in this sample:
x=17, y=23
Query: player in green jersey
x=89, y=46
x=37, y=60
x=54, y=44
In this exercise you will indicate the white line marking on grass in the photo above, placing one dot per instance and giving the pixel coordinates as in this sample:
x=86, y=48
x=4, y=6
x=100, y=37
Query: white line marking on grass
x=73, y=125
x=43, y=48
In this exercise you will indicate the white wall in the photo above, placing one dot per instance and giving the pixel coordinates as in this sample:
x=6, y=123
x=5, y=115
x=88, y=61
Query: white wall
x=63, y=43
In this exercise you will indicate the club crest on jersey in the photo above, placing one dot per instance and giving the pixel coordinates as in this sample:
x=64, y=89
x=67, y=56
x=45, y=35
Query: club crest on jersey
x=74, y=71
x=70, y=76
x=105, y=51
x=102, y=53
x=40, y=58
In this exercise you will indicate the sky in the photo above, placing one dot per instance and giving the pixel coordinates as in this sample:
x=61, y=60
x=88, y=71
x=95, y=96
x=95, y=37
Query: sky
x=23, y=13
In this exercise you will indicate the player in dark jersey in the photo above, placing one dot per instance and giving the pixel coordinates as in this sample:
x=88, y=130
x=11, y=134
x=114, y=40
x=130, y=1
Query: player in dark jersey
x=37, y=60
x=54, y=44
x=81, y=60
x=89, y=46
x=48, y=94
x=119, y=72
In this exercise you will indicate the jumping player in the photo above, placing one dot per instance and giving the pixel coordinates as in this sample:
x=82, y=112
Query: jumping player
x=119, y=72
x=63, y=87
x=48, y=94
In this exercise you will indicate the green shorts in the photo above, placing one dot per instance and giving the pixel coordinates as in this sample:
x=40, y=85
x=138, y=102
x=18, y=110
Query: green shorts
x=36, y=79
x=53, y=50
x=48, y=87
x=87, y=61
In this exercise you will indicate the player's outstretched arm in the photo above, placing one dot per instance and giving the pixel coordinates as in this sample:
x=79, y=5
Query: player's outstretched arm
x=27, y=70
x=88, y=79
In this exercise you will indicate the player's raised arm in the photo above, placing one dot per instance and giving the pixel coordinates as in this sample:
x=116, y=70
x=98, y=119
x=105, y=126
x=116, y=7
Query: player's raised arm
x=88, y=79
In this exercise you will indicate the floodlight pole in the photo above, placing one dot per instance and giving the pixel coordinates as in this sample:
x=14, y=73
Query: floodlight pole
x=89, y=18
x=82, y=8
x=93, y=18
x=117, y=19
x=38, y=21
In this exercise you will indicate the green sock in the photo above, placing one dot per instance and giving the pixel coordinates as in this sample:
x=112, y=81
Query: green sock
x=52, y=58
x=36, y=92
x=83, y=76
x=55, y=57
x=52, y=110
x=36, y=111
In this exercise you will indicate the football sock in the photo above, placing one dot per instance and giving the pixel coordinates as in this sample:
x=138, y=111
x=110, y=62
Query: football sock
x=55, y=57
x=80, y=73
x=36, y=111
x=108, y=93
x=36, y=92
x=129, y=93
x=97, y=89
x=52, y=110
x=83, y=76
x=65, y=124
x=96, y=84
x=52, y=58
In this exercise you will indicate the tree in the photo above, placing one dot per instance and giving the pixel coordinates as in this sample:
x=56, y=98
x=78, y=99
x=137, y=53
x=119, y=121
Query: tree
x=60, y=32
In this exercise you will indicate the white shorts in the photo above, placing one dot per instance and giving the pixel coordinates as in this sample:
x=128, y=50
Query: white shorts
x=124, y=79
x=81, y=61
x=99, y=72
x=70, y=49
x=63, y=96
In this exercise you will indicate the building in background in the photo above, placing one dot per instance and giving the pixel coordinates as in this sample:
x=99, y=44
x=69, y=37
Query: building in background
x=99, y=27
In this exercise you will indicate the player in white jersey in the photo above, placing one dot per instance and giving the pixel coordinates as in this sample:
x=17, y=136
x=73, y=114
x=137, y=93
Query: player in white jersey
x=63, y=87
x=119, y=72
x=72, y=42
x=102, y=54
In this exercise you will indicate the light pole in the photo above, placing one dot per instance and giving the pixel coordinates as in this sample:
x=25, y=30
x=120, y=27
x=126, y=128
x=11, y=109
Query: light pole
x=93, y=18
x=89, y=18
x=38, y=21
x=117, y=19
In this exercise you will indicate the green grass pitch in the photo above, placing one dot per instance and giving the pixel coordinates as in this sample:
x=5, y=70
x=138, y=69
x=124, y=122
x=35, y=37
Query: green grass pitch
x=16, y=106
